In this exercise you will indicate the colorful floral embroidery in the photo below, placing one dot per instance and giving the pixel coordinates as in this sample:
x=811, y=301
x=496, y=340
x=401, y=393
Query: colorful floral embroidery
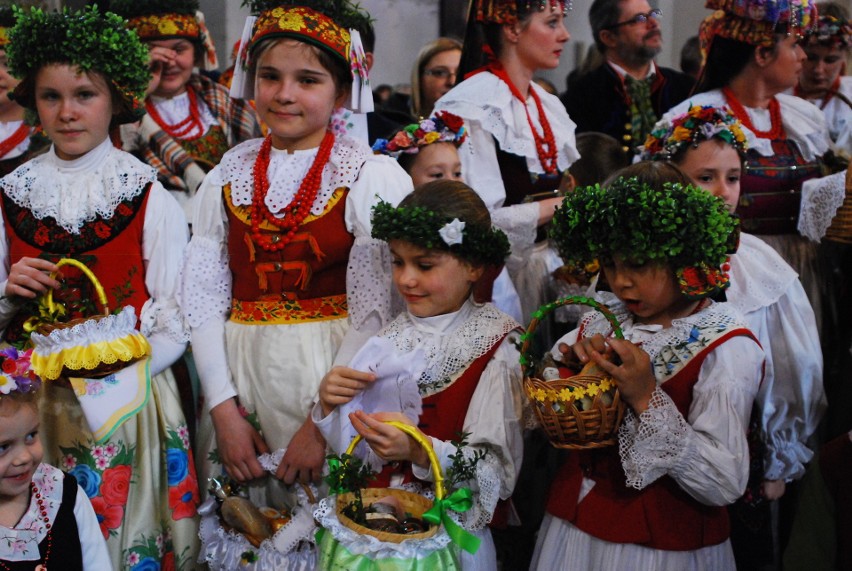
x=155, y=553
x=289, y=310
x=180, y=470
x=207, y=151
x=154, y=26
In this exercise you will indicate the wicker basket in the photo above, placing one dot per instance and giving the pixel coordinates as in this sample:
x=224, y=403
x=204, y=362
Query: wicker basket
x=566, y=425
x=412, y=503
x=840, y=229
x=121, y=344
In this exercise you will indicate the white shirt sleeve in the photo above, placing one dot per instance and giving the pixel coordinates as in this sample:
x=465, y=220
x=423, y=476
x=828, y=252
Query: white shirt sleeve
x=95, y=556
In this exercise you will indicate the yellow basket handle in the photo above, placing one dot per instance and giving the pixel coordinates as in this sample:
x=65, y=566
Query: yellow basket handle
x=423, y=441
x=99, y=289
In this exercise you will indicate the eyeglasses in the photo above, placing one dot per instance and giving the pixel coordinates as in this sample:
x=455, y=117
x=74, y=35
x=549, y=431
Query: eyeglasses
x=654, y=14
x=439, y=73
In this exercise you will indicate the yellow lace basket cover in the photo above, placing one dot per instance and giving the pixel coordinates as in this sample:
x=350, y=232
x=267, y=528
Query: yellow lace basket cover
x=87, y=347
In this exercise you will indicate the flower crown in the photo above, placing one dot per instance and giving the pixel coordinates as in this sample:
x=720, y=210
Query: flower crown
x=430, y=230
x=683, y=227
x=696, y=125
x=755, y=22
x=16, y=374
x=443, y=127
x=832, y=31
x=508, y=11
x=88, y=39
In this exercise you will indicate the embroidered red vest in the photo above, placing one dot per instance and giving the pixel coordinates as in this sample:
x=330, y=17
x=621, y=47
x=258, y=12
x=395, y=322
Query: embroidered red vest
x=306, y=281
x=111, y=248
x=661, y=516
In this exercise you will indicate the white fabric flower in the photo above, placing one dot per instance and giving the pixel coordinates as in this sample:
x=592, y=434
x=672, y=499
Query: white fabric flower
x=7, y=384
x=451, y=233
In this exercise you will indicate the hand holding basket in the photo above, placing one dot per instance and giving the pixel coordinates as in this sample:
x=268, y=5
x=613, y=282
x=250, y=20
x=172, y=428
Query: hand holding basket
x=579, y=412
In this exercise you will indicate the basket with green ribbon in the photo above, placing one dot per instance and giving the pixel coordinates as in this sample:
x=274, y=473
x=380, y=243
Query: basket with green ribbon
x=389, y=528
x=576, y=412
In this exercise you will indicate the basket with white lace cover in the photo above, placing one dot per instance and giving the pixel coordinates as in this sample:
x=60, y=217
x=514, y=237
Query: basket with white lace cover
x=87, y=347
x=579, y=412
x=345, y=544
x=292, y=546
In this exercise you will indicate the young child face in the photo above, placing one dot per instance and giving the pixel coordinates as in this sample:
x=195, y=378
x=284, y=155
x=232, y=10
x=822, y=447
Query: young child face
x=75, y=109
x=434, y=162
x=20, y=449
x=431, y=282
x=176, y=75
x=295, y=95
x=822, y=66
x=650, y=291
x=715, y=166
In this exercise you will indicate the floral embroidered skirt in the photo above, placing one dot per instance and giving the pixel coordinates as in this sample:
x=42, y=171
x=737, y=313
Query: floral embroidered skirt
x=141, y=480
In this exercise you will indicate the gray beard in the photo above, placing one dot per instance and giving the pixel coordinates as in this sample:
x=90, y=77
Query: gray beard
x=640, y=56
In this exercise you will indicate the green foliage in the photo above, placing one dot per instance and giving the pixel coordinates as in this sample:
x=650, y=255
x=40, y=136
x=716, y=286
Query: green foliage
x=420, y=226
x=344, y=13
x=86, y=38
x=676, y=226
x=132, y=8
x=348, y=473
x=463, y=468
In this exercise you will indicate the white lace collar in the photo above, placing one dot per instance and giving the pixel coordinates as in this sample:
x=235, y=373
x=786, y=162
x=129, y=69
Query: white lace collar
x=77, y=191
x=759, y=275
x=653, y=338
x=503, y=116
x=451, y=341
x=20, y=543
x=286, y=172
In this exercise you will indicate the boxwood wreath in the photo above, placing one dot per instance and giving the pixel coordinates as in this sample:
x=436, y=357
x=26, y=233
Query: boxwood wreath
x=680, y=226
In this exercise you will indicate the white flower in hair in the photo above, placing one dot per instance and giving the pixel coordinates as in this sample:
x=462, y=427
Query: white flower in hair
x=7, y=384
x=451, y=233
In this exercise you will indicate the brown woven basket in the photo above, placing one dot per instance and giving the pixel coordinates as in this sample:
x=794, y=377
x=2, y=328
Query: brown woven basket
x=412, y=503
x=840, y=229
x=566, y=425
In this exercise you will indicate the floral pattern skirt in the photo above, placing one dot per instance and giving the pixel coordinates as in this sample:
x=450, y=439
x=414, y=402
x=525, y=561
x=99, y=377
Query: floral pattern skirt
x=141, y=480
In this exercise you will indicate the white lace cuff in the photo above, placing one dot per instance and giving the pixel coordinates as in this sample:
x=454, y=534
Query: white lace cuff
x=653, y=444
x=164, y=316
x=368, y=281
x=821, y=197
x=785, y=460
x=205, y=283
x=520, y=223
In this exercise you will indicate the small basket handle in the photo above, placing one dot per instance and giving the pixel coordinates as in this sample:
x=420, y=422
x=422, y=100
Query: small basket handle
x=99, y=289
x=541, y=312
x=422, y=440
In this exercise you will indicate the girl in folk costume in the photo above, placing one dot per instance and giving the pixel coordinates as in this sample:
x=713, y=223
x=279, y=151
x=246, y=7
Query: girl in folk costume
x=752, y=56
x=823, y=80
x=83, y=73
x=521, y=139
x=428, y=151
x=191, y=120
x=46, y=519
x=708, y=144
x=281, y=262
x=689, y=371
x=18, y=142
x=460, y=353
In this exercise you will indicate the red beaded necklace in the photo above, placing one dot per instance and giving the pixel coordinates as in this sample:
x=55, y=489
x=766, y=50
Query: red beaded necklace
x=183, y=129
x=295, y=212
x=545, y=144
x=14, y=139
x=776, y=130
x=42, y=510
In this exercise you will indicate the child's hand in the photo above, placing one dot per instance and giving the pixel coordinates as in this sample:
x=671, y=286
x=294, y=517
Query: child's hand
x=159, y=58
x=388, y=442
x=29, y=277
x=634, y=376
x=773, y=489
x=340, y=385
x=583, y=348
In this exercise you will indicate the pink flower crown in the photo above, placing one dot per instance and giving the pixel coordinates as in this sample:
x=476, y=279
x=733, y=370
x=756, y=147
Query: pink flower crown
x=16, y=374
x=696, y=125
x=443, y=127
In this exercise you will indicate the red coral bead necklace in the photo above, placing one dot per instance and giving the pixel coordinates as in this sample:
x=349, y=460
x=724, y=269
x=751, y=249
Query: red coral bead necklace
x=776, y=129
x=298, y=209
x=183, y=129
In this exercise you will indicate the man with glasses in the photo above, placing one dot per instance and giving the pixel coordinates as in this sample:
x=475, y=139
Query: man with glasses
x=627, y=94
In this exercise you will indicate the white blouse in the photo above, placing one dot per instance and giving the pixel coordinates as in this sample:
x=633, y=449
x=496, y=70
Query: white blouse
x=7, y=129
x=74, y=192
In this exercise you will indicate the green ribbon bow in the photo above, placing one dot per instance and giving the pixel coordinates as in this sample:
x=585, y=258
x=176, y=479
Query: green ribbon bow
x=459, y=501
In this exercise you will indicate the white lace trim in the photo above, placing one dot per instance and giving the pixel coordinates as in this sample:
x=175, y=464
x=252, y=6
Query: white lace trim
x=503, y=116
x=759, y=275
x=76, y=192
x=208, y=293
x=326, y=516
x=21, y=542
x=164, y=315
x=88, y=332
x=821, y=197
x=652, y=445
x=368, y=282
x=286, y=172
x=477, y=329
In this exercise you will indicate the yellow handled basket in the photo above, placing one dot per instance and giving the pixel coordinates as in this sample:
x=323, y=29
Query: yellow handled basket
x=87, y=347
x=567, y=425
x=415, y=504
